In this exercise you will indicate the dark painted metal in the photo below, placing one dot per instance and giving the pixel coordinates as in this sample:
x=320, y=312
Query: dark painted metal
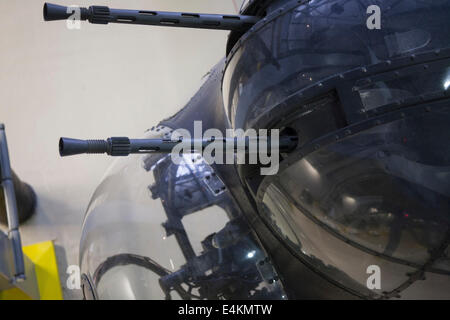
x=300, y=281
x=105, y=15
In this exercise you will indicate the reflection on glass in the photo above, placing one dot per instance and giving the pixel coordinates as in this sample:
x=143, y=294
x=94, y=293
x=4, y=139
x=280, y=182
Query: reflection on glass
x=386, y=189
x=322, y=39
x=389, y=91
x=337, y=260
x=384, y=192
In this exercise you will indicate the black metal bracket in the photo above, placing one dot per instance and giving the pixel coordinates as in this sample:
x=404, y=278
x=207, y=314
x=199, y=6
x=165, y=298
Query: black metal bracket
x=105, y=15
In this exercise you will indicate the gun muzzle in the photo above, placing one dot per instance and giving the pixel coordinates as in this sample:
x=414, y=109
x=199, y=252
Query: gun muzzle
x=70, y=147
x=105, y=15
x=116, y=146
x=56, y=12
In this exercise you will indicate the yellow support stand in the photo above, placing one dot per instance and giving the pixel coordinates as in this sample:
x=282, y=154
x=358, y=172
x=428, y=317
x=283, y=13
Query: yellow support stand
x=46, y=269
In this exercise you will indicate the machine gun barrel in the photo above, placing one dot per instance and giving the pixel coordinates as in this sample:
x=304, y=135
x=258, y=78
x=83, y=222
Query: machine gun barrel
x=105, y=15
x=6, y=181
x=123, y=146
